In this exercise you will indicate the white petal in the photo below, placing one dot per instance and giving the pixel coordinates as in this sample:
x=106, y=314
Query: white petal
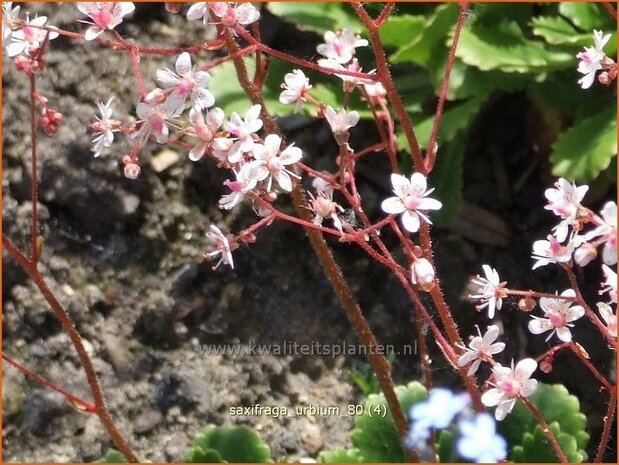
x=503, y=409
x=419, y=183
x=525, y=368
x=410, y=220
x=291, y=155
x=203, y=98
x=166, y=78
x=467, y=358
x=491, y=334
x=400, y=185
x=93, y=32
x=609, y=254
x=183, y=64
x=529, y=387
x=474, y=367
x=393, y=205
x=574, y=313
x=492, y=397
x=564, y=333
x=540, y=325
x=429, y=204
x=284, y=180
x=197, y=152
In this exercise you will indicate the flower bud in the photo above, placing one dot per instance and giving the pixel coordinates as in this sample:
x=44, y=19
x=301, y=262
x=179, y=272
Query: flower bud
x=526, y=305
x=585, y=254
x=132, y=170
x=422, y=274
x=154, y=97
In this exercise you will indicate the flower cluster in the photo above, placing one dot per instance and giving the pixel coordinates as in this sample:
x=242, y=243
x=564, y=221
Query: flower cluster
x=104, y=16
x=23, y=36
x=476, y=437
x=593, y=59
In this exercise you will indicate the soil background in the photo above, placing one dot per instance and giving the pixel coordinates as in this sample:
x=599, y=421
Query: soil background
x=125, y=259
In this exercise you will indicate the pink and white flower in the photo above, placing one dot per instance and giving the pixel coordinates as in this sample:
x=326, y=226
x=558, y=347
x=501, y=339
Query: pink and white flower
x=186, y=82
x=348, y=82
x=296, y=87
x=551, y=251
x=199, y=11
x=221, y=247
x=510, y=384
x=481, y=349
x=205, y=128
x=341, y=120
x=105, y=16
x=606, y=232
x=564, y=201
x=411, y=200
x=324, y=207
x=104, y=127
x=491, y=290
x=28, y=38
x=592, y=58
x=609, y=317
x=560, y=315
x=243, y=131
x=340, y=46
x=240, y=188
x=9, y=18
x=155, y=119
x=233, y=13
x=271, y=164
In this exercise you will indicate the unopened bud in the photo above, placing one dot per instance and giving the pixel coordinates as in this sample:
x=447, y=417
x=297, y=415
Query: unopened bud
x=422, y=274
x=154, y=97
x=546, y=365
x=132, y=170
x=173, y=7
x=585, y=254
x=526, y=304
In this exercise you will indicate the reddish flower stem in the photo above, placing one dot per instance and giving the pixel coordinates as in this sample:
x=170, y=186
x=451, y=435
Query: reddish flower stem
x=587, y=363
x=590, y=313
x=34, y=186
x=86, y=406
x=442, y=96
x=536, y=294
x=608, y=421
x=384, y=14
x=611, y=11
x=67, y=325
x=549, y=434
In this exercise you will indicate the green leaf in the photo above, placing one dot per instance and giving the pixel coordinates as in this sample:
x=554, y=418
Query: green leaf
x=585, y=149
x=558, y=407
x=112, y=456
x=374, y=435
x=536, y=447
x=228, y=444
x=402, y=30
x=557, y=31
x=340, y=455
x=317, y=16
x=432, y=39
x=503, y=46
x=587, y=16
x=445, y=447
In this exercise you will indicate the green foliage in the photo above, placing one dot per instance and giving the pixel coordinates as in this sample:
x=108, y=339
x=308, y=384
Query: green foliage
x=112, y=456
x=228, y=444
x=561, y=410
x=317, y=16
x=340, y=455
x=374, y=437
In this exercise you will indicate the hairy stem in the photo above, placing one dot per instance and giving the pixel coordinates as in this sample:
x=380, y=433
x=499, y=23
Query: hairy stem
x=549, y=434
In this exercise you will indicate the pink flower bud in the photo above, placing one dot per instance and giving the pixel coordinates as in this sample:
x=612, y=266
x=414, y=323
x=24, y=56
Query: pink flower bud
x=154, y=97
x=526, y=305
x=132, y=170
x=422, y=274
x=585, y=254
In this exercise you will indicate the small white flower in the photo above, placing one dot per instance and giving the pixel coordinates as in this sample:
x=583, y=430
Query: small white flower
x=239, y=189
x=105, y=16
x=270, y=162
x=510, y=384
x=482, y=348
x=9, y=18
x=491, y=290
x=585, y=254
x=422, y=274
x=199, y=11
x=375, y=92
x=478, y=440
x=154, y=119
x=340, y=46
x=232, y=14
x=559, y=316
x=186, y=82
x=591, y=59
x=564, y=201
x=341, y=120
x=551, y=251
x=348, y=82
x=609, y=317
x=104, y=128
x=222, y=247
x=205, y=128
x=610, y=285
x=411, y=199
x=324, y=207
x=296, y=87
x=607, y=233
x=242, y=130
x=29, y=38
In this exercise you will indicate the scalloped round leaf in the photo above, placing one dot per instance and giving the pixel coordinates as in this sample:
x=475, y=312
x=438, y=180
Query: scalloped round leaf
x=502, y=46
x=536, y=447
x=340, y=455
x=586, y=149
x=587, y=16
x=402, y=30
x=317, y=16
x=231, y=443
x=375, y=436
x=557, y=31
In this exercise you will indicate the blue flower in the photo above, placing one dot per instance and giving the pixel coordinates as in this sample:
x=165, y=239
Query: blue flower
x=479, y=441
x=435, y=412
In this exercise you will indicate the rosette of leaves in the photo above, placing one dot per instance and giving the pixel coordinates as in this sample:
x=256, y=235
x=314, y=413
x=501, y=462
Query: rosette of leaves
x=223, y=444
x=561, y=410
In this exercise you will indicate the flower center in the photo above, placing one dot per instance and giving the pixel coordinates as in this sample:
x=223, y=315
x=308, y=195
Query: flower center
x=274, y=164
x=411, y=202
x=185, y=86
x=557, y=319
x=511, y=387
x=102, y=18
x=204, y=132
